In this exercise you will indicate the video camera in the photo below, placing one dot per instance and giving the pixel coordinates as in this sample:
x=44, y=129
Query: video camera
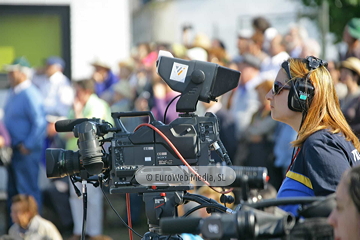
x=189, y=137
x=186, y=141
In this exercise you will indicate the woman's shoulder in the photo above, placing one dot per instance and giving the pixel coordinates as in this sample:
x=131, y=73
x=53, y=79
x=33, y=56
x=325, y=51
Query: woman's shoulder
x=325, y=134
x=328, y=138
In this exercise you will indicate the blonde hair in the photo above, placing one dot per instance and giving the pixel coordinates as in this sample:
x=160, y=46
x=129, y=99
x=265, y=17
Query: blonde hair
x=324, y=111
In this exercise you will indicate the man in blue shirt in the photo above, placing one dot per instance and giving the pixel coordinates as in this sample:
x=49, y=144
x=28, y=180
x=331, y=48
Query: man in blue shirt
x=104, y=80
x=24, y=118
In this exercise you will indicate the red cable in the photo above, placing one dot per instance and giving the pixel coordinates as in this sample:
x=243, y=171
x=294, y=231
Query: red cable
x=128, y=210
x=179, y=155
x=293, y=159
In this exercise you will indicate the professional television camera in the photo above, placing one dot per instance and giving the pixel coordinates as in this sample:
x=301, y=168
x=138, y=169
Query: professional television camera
x=187, y=140
x=152, y=144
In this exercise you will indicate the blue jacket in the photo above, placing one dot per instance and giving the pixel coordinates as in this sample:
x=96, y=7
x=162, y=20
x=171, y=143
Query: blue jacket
x=318, y=167
x=24, y=118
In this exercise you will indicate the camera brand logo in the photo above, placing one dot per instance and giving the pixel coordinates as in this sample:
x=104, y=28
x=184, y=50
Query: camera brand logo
x=178, y=72
x=213, y=228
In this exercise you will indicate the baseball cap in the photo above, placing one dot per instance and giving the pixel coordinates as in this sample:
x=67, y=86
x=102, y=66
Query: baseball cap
x=197, y=53
x=123, y=87
x=354, y=27
x=20, y=62
x=245, y=33
x=55, y=60
x=251, y=60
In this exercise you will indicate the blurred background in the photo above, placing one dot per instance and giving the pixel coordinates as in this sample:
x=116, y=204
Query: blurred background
x=80, y=31
x=110, y=32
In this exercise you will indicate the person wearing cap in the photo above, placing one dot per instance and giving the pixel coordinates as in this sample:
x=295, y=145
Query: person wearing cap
x=24, y=118
x=351, y=36
x=295, y=40
x=104, y=78
x=123, y=98
x=55, y=88
x=58, y=97
x=350, y=105
x=270, y=66
x=244, y=40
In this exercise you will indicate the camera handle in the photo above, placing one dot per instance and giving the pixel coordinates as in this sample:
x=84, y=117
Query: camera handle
x=164, y=204
x=157, y=206
x=120, y=126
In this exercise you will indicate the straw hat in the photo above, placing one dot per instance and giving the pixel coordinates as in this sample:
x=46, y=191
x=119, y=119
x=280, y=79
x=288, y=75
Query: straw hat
x=99, y=63
x=352, y=63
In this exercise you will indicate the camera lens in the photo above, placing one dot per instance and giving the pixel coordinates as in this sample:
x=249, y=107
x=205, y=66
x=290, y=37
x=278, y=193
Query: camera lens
x=246, y=225
x=255, y=177
x=61, y=163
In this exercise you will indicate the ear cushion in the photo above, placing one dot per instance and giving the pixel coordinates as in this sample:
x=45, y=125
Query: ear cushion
x=300, y=95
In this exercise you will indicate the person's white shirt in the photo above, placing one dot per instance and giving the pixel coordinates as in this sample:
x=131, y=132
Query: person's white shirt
x=244, y=104
x=271, y=66
x=57, y=93
x=38, y=229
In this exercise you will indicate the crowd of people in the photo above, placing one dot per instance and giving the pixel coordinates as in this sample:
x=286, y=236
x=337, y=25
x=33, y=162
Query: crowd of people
x=296, y=115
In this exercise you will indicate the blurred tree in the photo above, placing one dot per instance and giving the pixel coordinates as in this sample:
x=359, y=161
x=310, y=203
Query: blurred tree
x=340, y=12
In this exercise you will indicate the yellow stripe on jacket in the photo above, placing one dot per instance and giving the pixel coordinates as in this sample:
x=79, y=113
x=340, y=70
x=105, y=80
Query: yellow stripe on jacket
x=299, y=178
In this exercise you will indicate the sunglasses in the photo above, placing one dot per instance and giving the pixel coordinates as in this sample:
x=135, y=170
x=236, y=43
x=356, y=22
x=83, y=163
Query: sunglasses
x=278, y=87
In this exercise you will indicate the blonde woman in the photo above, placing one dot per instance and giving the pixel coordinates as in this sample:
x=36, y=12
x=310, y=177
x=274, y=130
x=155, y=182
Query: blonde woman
x=304, y=97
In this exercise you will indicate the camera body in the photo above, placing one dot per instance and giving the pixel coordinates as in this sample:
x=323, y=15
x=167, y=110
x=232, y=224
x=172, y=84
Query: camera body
x=129, y=151
x=192, y=135
x=188, y=137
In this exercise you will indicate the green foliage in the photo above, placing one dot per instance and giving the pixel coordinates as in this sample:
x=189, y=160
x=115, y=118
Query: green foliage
x=340, y=12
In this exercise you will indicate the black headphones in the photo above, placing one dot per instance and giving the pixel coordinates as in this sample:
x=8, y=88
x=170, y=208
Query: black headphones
x=302, y=91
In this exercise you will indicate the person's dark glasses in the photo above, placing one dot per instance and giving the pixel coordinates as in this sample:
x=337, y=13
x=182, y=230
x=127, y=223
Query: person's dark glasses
x=278, y=87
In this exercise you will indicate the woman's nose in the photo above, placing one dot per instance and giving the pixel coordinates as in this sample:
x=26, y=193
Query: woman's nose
x=331, y=219
x=269, y=95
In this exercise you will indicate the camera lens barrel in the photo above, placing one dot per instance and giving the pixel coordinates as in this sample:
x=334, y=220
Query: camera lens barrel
x=242, y=225
x=89, y=148
x=61, y=163
x=255, y=177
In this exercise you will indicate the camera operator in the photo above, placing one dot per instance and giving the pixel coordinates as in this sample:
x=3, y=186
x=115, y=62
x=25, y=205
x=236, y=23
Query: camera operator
x=345, y=218
x=303, y=96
